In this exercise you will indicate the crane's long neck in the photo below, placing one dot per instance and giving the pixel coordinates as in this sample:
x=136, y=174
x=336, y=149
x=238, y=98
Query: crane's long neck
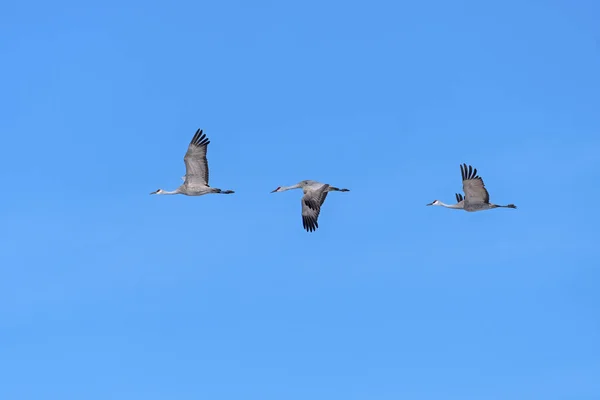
x=176, y=191
x=284, y=188
x=455, y=206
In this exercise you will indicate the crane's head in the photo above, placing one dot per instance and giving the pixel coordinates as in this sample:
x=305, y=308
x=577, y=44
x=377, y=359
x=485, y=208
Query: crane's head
x=434, y=203
x=159, y=191
x=276, y=190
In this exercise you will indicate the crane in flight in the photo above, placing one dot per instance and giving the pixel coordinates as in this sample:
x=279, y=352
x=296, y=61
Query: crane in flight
x=195, y=181
x=314, y=196
x=476, y=197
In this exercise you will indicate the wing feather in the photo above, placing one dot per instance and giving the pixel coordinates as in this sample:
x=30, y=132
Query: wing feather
x=473, y=186
x=311, y=207
x=196, y=164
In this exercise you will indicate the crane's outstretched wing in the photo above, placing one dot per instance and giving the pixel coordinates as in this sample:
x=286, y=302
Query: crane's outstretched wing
x=196, y=165
x=460, y=201
x=475, y=191
x=311, y=207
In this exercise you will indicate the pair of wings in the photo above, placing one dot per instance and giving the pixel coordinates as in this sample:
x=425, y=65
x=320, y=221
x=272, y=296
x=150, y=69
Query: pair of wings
x=475, y=191
x=196, y=164
x=312, y=201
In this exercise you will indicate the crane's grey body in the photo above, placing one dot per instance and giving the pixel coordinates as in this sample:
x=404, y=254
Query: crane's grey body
x=195, y=181
x=315, y=194
x=476, y=197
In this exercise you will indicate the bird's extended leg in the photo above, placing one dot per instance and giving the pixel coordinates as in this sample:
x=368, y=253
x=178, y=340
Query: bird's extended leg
x=506, y=206
x=219, y=191
x=334, y=189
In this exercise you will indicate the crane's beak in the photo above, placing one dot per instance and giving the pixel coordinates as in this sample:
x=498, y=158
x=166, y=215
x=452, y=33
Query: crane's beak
x=430, y=204
x=273, y=191
x=156, y=191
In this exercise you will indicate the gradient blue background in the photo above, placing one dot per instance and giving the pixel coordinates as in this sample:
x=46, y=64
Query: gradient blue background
x=109, y=293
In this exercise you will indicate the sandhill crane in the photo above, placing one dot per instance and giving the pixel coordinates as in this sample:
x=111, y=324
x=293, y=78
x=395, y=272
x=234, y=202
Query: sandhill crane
x=476, y=197
x=195, y=181
x=314, y=196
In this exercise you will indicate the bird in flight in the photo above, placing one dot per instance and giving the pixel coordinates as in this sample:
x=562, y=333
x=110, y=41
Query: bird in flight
x=195, y=181
x=476, y=197
x=314, y=196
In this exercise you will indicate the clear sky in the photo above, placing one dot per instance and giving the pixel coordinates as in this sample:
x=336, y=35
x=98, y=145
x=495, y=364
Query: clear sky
x=107, y=292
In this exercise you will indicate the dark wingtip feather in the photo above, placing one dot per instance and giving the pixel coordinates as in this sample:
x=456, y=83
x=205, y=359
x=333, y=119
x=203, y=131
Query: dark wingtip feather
x=200, y=139
x=464, y=169
x=309, y=224
x=468, y=172
x=196, y=136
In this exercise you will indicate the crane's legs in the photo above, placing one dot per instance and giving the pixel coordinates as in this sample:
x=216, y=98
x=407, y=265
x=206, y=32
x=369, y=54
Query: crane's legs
x=507, y=206
x=224, y=191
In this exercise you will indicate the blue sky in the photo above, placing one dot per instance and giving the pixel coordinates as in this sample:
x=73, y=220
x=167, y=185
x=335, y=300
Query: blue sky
x=109, y=293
